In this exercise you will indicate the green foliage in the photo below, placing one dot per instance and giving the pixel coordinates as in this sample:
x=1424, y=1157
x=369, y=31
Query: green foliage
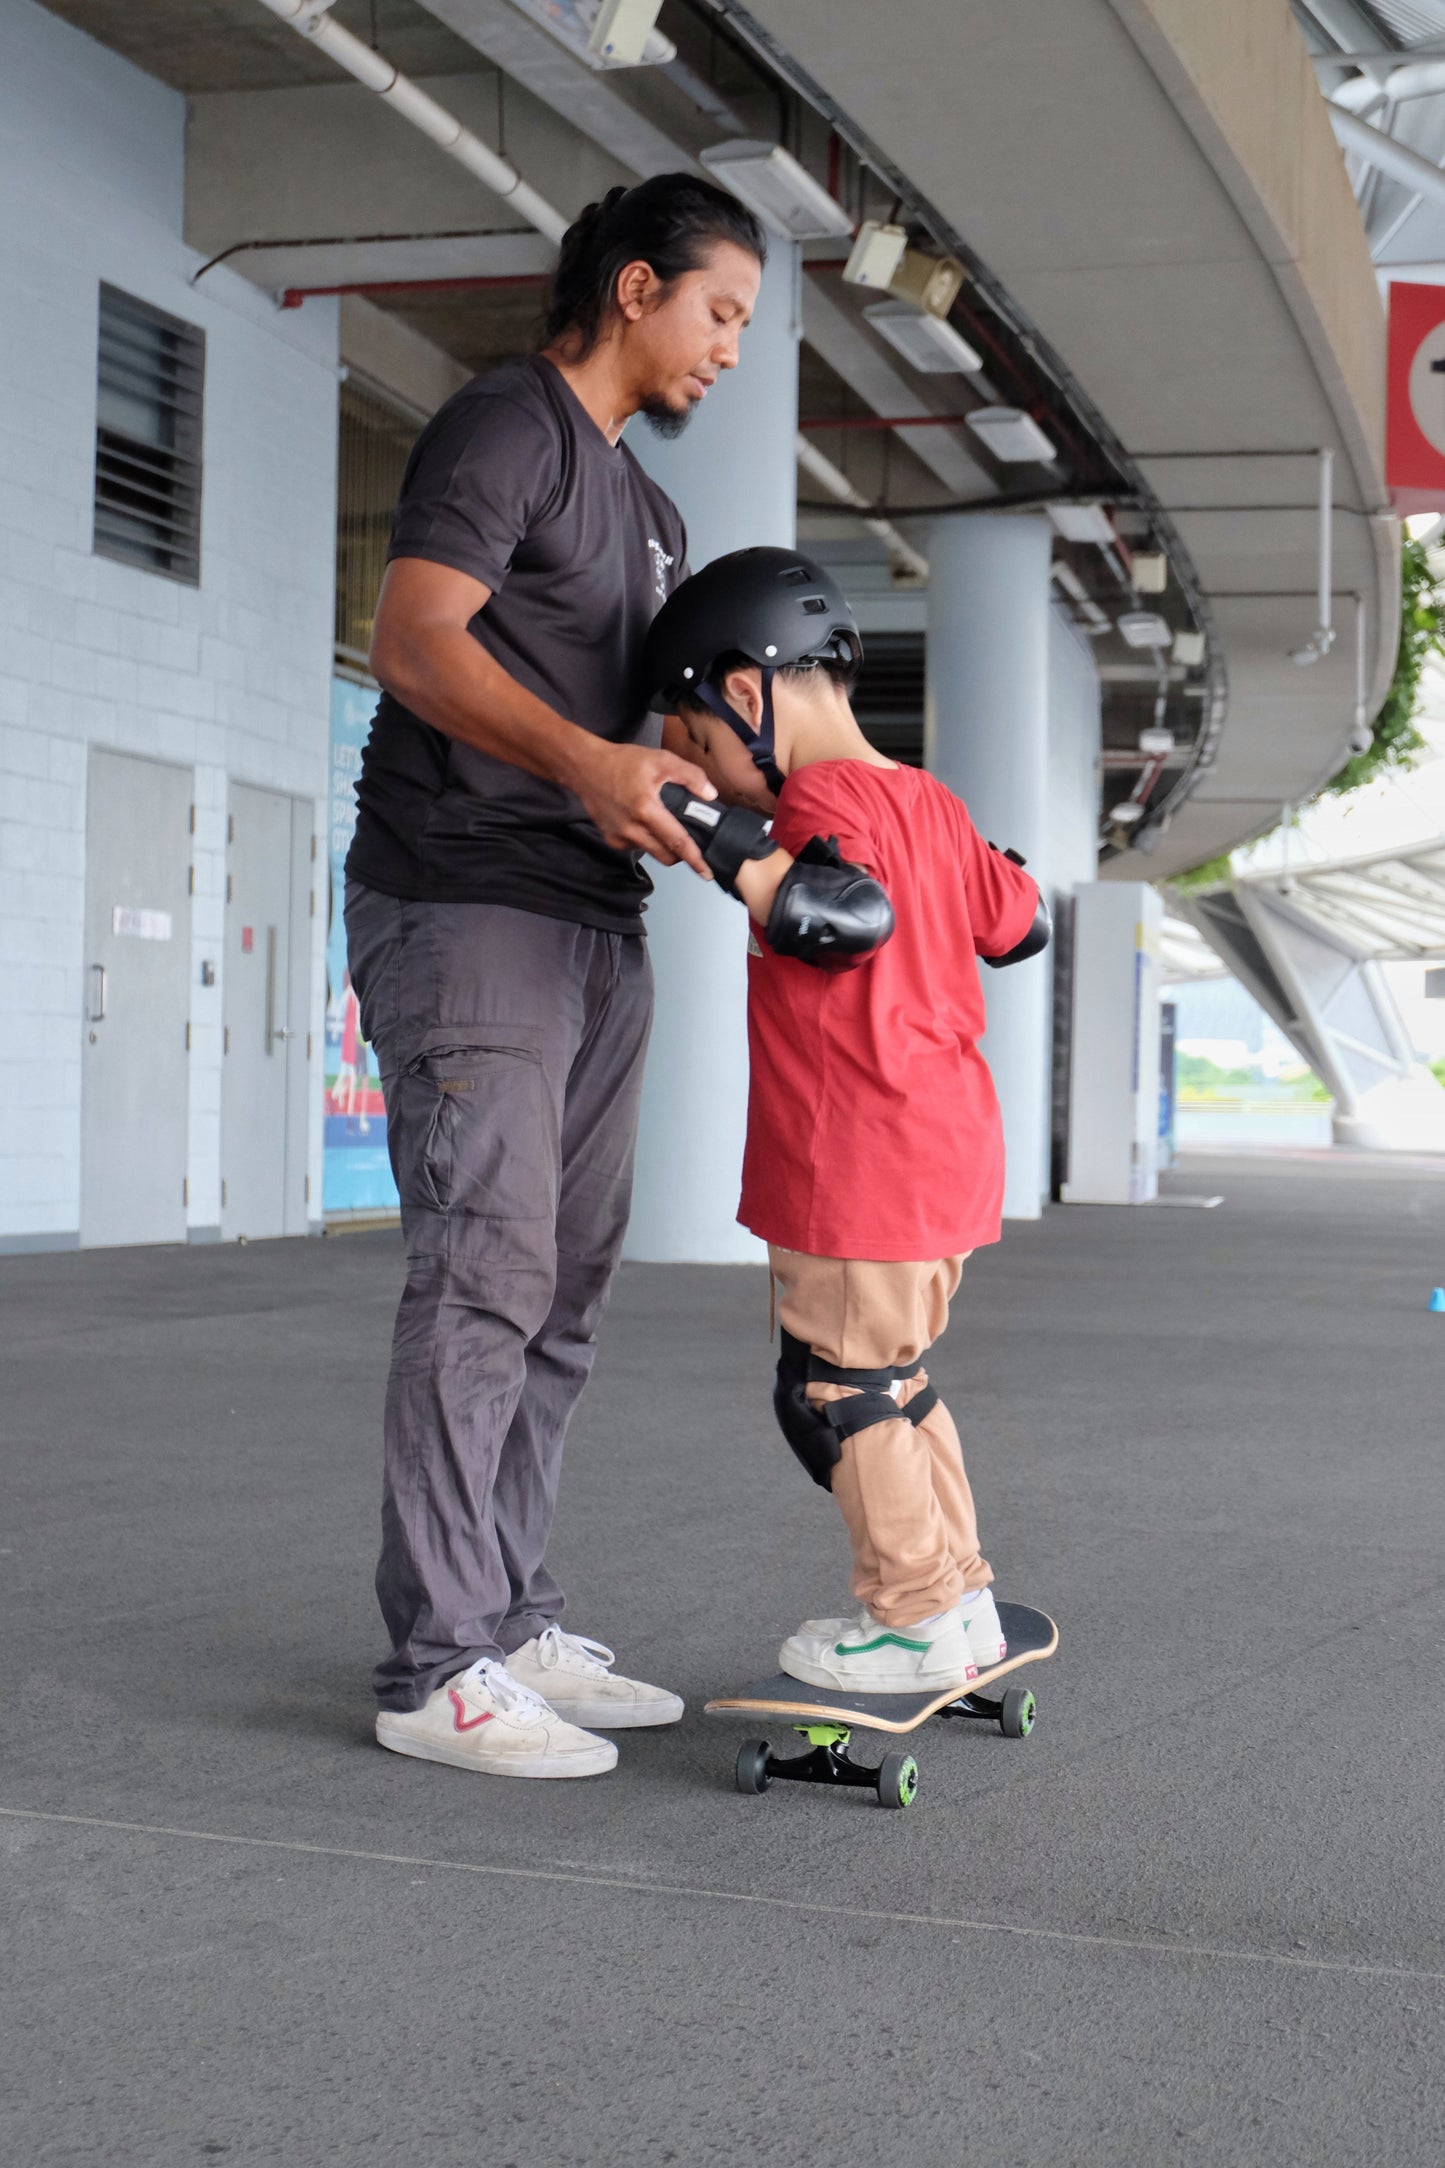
x=1197, y=1074
x=1212, y=874
x=1394, y=741
x=1199, y=1078
x=1439, y=1069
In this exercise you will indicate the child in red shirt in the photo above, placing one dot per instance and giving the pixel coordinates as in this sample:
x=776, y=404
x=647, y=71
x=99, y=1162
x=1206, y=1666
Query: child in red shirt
x=874, y=1155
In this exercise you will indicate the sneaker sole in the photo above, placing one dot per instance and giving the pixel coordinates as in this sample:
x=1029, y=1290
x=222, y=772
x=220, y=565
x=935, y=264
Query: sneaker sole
x=594, y=1763
x=617, y=1715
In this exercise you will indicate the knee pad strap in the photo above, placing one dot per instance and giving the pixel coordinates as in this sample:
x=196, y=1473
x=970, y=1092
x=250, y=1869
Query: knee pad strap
x=815, y=1432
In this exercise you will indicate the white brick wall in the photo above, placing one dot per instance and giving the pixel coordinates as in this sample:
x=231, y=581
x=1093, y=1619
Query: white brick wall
x=231, y=679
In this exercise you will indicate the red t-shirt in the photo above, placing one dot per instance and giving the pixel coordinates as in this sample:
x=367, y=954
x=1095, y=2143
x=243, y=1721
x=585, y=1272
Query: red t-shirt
x=873, y=1126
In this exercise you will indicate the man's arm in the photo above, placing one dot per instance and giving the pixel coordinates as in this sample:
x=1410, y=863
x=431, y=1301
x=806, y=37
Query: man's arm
x=423, y=654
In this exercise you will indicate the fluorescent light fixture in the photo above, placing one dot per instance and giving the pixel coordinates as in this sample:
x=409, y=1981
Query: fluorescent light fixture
x=621, y=30
x=604, y=33
x=930, y=344
x=1144, y=628
x=1154, y=742
x=1189, y=649
x=1151, y=572
x=771, y=182
x=1010, y=434
x=1082, y=523
x=876, y=255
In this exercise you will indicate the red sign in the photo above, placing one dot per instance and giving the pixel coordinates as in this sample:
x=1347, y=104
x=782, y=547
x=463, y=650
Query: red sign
x=248, y=940
x=1415, y=441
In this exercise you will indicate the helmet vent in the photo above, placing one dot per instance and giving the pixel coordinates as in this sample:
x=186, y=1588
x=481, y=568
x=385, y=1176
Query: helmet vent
x=815, y=605
x=797, y=576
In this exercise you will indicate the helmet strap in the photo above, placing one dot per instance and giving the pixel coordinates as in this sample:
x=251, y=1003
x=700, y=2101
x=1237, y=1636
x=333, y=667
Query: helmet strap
x=759, y=743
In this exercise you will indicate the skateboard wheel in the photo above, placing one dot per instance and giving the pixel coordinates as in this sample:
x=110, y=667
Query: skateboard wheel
x=1017, y=1718
x=898, y=1781
x=753, y=1774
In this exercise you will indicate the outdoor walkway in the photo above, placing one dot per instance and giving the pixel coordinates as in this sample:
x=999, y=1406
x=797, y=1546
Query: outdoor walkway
x=1198, y=1917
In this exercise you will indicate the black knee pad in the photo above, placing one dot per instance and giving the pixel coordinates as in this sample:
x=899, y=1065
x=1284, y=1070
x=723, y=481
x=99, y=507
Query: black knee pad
x=816, y=1433
x=806, y=1428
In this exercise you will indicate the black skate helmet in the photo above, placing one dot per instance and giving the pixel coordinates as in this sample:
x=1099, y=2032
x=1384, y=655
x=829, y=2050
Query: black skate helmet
x=776, y=607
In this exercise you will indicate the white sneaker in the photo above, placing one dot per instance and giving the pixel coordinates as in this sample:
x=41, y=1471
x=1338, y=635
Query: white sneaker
x=980, y=1617
x=985, y=1633
x=484, y=1719
x=873, y=1659
x=575, y=1676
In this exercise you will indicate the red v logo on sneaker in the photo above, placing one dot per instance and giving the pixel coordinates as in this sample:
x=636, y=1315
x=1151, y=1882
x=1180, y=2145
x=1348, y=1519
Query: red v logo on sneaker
x=460, y=1721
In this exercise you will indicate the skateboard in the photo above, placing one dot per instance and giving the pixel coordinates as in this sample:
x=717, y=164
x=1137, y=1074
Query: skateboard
x=825, y=1716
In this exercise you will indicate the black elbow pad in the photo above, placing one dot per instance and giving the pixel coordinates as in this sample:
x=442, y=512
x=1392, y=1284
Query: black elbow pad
x=1035, y=939
x=827, y=912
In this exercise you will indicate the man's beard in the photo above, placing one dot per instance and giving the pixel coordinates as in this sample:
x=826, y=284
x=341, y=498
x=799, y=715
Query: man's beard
x=665, y=421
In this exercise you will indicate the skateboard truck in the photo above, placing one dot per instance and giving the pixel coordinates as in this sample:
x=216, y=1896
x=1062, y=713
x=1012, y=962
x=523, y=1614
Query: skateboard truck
x=895, y=1779
x=1013, y=1713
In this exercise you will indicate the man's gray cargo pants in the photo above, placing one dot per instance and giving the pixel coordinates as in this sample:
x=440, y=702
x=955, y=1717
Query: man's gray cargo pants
x=511, y=1050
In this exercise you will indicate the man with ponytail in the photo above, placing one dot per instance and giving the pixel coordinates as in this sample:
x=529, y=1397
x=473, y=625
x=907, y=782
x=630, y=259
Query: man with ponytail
x=495, y=890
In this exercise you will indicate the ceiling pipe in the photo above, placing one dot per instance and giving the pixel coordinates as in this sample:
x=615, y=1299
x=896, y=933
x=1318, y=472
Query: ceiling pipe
x=883, y=421
x=1382, y=151
x=293, y=296
x=310, y=20
x=1362, y=737
x=837, y=484
x=1322, y=639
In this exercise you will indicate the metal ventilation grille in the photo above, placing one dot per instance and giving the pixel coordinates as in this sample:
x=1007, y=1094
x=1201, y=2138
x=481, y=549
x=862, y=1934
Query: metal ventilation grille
x=150, y=380
x=888, y=698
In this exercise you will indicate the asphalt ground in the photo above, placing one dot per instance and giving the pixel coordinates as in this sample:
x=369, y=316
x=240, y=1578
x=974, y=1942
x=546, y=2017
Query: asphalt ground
x=1198, y=1917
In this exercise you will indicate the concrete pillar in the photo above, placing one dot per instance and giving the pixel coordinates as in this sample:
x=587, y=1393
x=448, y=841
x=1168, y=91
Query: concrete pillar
x=733, y=475
x=986, y=736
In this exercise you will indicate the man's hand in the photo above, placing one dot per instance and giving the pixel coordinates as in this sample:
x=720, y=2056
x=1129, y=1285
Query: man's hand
x=619, y=785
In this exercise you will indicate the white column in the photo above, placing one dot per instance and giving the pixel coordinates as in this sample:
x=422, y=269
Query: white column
x=733, y=476
x=986, y=737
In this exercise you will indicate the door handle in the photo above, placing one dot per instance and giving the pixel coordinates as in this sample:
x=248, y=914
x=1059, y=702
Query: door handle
x=97, y=1015
x=271, y=1032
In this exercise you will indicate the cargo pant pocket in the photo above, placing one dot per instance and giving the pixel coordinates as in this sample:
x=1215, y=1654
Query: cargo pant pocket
x=476, y=1133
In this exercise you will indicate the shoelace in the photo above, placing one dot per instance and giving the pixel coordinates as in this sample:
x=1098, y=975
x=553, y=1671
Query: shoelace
x=553, y=1645
x=510, y=1695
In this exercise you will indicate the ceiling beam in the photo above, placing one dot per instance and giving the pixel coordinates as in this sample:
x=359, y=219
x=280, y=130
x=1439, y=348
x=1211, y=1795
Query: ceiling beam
x=851, y=352
x=586, y=98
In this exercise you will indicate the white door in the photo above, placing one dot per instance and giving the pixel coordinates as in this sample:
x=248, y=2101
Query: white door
x=135, y=1068
x=265, y=1008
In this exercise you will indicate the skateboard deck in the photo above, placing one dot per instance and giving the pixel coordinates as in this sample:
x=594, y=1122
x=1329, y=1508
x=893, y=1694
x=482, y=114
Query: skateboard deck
x=826, y=1715
x=1030, y=1635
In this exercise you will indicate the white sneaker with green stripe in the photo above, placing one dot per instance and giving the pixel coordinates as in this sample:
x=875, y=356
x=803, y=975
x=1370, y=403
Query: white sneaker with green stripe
x=872, y=1659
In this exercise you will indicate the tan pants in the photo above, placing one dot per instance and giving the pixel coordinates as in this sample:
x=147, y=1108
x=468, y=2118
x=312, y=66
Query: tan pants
x=901, y=1486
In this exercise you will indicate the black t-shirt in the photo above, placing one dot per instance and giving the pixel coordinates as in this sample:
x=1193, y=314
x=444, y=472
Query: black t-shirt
x=512, y=482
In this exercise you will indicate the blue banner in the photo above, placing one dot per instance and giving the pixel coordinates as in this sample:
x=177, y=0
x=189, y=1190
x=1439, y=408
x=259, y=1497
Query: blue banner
x=356, y=1174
